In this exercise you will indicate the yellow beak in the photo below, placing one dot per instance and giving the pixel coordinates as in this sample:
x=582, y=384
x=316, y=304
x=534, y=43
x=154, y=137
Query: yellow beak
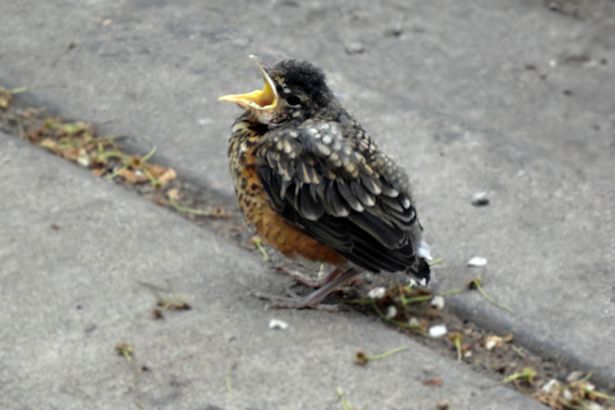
x=265, y=99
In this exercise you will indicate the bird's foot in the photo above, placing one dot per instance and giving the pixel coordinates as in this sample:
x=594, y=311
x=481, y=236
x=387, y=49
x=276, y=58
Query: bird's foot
x=335, y=279
x=294, y=302
x=302, y=278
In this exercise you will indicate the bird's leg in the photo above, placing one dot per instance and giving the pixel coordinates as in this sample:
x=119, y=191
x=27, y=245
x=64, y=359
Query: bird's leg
x=309, y=281
x=313, y=299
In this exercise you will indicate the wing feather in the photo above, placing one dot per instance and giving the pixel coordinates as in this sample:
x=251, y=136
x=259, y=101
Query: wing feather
x=356, y=202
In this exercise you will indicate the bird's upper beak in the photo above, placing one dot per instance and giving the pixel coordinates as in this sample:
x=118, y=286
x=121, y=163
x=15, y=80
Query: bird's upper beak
x=265, y=99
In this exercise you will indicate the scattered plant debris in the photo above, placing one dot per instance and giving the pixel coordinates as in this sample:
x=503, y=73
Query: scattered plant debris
x=410, y=309
x=258, y=244
x=476, y=284
x=434, y=382
x=361, y=358
x=527, y=375
x=342, y=398
x=126, y=351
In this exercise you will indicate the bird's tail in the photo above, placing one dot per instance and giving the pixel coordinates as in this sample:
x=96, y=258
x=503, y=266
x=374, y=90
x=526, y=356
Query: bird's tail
x=423, y=272
x=421, y=268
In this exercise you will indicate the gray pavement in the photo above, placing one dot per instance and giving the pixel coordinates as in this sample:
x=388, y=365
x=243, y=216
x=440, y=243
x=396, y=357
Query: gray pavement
x=503, y=96
x=73, y=251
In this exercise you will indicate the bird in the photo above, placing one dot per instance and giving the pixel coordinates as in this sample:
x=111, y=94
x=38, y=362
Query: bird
x=314, y=184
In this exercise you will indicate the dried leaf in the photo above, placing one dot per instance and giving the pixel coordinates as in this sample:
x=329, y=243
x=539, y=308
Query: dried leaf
x=493, y=341
x=5, y=99
x=130, y=176
x=167, y=176
x=173, y=194
x=98, y=171
x=49, y=144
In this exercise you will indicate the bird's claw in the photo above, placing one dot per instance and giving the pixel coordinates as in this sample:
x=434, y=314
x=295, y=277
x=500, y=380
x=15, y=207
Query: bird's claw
x=293, y=302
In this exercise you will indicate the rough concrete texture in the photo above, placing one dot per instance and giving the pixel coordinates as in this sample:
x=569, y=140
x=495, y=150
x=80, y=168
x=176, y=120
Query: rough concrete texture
x=503, y=96
x=73, y=252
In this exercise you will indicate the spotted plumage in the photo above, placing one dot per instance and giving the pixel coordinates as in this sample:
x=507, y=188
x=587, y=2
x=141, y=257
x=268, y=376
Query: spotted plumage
x=314, y=184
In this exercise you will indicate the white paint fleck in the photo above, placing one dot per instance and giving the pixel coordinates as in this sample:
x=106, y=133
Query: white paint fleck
x=377, y=293
x=550, y=385
x=437, y=302
x=437, y=331
x=477, y=261
x=204, y=121
x=278, y=324
x=391, y=312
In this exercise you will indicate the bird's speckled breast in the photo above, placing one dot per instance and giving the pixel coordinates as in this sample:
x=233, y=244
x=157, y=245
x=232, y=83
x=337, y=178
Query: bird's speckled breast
x=255, y=205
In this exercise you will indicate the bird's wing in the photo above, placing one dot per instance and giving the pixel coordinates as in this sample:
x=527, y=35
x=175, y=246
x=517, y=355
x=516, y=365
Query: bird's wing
x=349, y=198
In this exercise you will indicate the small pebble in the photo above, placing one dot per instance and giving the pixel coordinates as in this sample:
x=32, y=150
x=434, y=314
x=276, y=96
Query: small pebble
x=480, y=199
x=477, y=261
x=376, y=293
x=395, y=31
x=437, y=302
x=414, y=322
x=491, y=342
x=442, y=405
x=567, y=395
x=84, y=161
x=437, y=331
x=550, y=385
x=391, y=312
x=278, y=324
x=355, y=48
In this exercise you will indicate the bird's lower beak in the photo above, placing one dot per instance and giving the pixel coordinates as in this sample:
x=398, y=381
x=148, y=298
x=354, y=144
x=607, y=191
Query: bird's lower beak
x=265, y=99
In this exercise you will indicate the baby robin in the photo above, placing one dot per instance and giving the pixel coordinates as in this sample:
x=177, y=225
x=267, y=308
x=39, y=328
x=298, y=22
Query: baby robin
x=315, y=185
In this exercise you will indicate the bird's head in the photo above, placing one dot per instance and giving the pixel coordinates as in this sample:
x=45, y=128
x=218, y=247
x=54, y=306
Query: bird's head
x=292, y=90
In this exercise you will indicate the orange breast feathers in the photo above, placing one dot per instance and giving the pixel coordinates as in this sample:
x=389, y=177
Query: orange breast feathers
x=272, y=227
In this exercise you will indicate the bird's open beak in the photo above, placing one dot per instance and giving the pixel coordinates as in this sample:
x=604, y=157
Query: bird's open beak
x=265, y=99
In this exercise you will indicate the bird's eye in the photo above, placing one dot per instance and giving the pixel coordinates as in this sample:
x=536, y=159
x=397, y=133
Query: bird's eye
x=293, y=100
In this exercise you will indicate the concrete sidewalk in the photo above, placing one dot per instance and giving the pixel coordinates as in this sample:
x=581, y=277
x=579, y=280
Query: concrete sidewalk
x=502, y=96
x=73, y=251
